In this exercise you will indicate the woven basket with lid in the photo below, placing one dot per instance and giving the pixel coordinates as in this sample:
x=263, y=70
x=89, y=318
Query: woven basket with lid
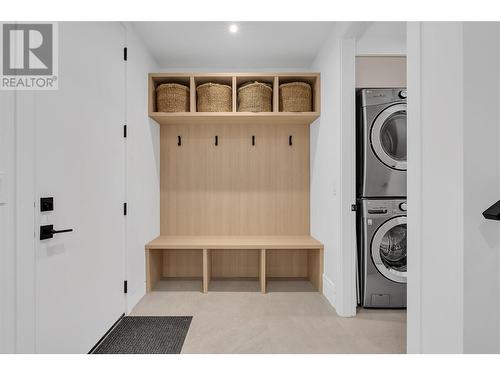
x=295, y=97
x=214, y=97
x=255, y=97
x=172, y=97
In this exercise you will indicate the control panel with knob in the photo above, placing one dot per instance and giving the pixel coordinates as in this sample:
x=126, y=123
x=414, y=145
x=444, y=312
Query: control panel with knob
x=402, y=206
x=402, y=94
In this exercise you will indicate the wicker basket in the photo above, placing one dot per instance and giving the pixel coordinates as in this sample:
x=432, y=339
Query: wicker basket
x=255, y=97
x=214, y=97
x=172, y=97
x=295, y=97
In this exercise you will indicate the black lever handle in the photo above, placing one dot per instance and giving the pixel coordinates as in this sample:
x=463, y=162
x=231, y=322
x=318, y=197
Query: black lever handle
x=61, y=231
x=48, y=231
x=493, y=212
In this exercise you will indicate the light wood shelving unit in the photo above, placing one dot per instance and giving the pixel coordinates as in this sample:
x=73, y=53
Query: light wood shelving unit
x=238, y=207
x=234, y=80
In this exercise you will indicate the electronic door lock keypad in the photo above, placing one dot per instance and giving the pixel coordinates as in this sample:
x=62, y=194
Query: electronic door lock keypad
x=46, y=204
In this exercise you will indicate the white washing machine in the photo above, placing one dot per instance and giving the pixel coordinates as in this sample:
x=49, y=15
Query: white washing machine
x=381, y=142
x=383, y=253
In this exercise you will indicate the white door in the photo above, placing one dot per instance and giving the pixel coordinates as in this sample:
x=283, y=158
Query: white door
x=80, y=162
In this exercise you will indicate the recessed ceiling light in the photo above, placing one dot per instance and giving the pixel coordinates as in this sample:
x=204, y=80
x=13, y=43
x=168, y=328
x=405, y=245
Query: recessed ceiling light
x=233, y=28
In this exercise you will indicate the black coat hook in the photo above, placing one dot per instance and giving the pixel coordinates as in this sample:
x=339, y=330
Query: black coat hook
x=216, y=140
x=290, y=140
x=253, y=140
x=179, y=140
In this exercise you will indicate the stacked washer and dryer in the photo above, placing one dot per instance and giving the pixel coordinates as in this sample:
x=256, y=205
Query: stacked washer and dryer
x=381, y=193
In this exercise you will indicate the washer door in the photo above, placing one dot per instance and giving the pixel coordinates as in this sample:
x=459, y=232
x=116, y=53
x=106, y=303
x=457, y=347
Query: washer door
x=389, y=249
x=388, y=136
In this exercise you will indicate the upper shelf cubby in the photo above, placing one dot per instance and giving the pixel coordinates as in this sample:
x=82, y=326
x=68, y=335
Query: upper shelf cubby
x=234, y=81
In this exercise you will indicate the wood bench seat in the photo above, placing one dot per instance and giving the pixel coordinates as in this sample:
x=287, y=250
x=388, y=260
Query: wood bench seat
x=281, y=256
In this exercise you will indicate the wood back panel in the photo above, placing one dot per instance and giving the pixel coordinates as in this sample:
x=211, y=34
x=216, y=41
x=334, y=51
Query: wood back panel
x=287, y=263
x=235, y=263
x=234, y=188
x=182, y=263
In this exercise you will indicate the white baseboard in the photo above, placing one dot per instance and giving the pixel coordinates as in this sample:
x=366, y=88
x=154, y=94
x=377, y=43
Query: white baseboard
x=133, y=297
x=329, y=290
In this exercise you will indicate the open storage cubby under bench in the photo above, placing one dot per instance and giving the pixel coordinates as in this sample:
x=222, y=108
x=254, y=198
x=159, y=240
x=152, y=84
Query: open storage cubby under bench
x=209, y=257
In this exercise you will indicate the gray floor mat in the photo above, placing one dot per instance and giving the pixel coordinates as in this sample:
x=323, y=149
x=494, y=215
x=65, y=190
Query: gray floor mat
x=146, y=335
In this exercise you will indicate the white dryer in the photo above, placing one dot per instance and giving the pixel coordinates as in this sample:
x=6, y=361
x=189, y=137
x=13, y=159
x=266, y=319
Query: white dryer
x=381, y=142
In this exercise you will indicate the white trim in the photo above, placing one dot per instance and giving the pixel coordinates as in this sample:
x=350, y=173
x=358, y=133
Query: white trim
x=329, y=290
x=346, y=265
x=133, y=297
x=381, y=54
x=7, y=223
x=414, y=176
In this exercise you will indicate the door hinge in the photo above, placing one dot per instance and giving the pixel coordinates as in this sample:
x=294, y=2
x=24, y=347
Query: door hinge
x=125, y=208
x=124, y=131
x=354, y=207
x=125, y=54
x=125, y=286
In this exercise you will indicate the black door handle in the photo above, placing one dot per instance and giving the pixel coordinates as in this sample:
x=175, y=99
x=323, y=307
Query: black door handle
x=493, y=212
x=47, y=231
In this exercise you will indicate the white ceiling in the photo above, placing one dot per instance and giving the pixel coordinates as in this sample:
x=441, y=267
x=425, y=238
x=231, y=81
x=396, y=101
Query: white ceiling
x=210, y=45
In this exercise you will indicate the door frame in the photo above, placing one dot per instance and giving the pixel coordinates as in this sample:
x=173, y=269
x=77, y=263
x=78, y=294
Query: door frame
x=414, y=193
x=25, y=202
x=7, y=223
x=346, y=301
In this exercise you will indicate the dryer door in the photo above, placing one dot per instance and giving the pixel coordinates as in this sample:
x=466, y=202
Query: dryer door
x=389, y=249
x=388, y=136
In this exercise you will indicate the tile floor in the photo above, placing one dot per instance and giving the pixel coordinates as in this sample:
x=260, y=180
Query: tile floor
x=291, y=318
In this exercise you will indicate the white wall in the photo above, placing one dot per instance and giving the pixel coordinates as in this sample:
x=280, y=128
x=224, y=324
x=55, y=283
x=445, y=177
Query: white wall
x=382, y=38
x=481, y=118
x=325, y=164
x=143, y=167
x=380, y=71
x=332, y=168
x=453, y=175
